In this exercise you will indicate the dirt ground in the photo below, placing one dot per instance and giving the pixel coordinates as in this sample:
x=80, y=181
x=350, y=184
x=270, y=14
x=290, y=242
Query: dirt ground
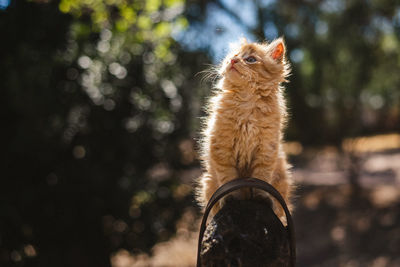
x=339, y=225
x=336, y=228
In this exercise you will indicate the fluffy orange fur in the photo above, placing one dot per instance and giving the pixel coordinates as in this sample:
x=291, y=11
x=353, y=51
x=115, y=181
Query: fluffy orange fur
x=242, y=134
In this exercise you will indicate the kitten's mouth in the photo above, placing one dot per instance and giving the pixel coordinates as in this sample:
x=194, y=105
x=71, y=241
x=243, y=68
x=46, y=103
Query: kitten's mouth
x=233, y=68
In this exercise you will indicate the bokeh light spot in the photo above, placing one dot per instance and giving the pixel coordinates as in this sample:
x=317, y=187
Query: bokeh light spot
x=79, y=152
x=338, y=233
x=84, y=62
x=30, y=251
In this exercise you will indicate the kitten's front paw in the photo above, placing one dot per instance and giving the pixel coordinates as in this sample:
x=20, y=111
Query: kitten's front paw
x=225, y=199
x=241, y=194
x=276, y=206
x=262, y=196
x=238, y=194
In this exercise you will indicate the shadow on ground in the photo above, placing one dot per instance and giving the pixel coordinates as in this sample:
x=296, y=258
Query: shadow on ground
x=337, y=227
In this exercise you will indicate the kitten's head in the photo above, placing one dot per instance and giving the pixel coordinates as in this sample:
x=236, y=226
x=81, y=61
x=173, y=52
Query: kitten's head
x=256, y=65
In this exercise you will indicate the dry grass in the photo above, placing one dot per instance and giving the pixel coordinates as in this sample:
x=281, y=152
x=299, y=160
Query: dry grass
x=179, y=251
x=375, y=143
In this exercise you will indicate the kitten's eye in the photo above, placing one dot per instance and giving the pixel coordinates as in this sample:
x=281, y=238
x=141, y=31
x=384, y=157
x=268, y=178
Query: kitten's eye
x=251, y=59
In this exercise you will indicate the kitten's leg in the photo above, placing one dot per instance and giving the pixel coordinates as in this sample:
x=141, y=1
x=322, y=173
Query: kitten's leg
x=262, y=167
x=224, y=173
x=222, y=165
x=279, y=178
x=208, y=185
x=283, y=183
x=209, y=182
x=264, y=163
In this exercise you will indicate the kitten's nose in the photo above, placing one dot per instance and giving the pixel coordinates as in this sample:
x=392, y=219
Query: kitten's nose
x=234, y=60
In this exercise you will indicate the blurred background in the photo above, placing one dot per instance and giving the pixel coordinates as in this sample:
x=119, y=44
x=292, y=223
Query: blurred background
x=100, y=110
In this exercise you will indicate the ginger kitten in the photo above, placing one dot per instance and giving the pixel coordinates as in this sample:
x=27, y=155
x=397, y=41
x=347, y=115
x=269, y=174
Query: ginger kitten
x=242, y=135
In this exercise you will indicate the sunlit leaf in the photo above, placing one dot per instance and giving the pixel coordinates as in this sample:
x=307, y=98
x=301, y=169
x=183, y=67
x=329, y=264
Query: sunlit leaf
x=144, y=22
x=170, y=3
x=162, y=29
x=152, y=5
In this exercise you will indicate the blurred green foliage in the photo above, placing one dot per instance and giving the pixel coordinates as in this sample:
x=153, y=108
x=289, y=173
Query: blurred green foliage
x=96, y=103
x=150, y=22
x=346, y=83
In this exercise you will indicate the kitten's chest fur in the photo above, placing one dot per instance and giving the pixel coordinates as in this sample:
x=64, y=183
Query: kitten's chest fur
x=252, y=123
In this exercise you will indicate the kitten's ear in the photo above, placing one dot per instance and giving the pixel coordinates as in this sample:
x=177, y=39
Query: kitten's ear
x=277, y=49
x=243, y=41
